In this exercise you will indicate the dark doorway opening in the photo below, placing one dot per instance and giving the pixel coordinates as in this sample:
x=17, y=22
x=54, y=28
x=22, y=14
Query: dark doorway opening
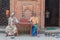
x=51, y=13
x=4, y=5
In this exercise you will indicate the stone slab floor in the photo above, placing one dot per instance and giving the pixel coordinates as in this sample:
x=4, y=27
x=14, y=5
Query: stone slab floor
x=27, y=37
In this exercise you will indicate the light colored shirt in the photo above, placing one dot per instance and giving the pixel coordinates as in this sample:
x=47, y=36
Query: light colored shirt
x=11, y=22
x=34, y=20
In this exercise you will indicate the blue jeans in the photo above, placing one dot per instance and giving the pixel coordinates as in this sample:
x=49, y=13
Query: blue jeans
x=34, y=29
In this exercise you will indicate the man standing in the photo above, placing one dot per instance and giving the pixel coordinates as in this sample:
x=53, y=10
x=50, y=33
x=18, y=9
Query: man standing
x=34, y=20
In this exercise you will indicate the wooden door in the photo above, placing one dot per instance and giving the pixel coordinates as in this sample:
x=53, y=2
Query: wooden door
x=53, y=8
x=4, y=5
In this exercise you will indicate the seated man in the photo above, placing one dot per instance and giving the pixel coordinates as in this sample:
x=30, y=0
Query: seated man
x=34, y=20
x=11, y=29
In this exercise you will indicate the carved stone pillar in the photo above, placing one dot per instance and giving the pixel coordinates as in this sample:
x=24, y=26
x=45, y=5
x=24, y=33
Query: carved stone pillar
x=11, y=5
x=42, y=5
x=38, y=12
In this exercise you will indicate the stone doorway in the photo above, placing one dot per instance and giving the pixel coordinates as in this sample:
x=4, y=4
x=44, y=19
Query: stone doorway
x=33, y=6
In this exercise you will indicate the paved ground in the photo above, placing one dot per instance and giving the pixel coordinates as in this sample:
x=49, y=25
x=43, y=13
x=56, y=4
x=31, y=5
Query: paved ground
x=27, y=37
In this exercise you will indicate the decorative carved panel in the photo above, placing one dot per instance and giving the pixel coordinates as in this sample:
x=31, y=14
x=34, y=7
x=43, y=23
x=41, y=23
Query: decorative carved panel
x=27, y=11
x=24, y=8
